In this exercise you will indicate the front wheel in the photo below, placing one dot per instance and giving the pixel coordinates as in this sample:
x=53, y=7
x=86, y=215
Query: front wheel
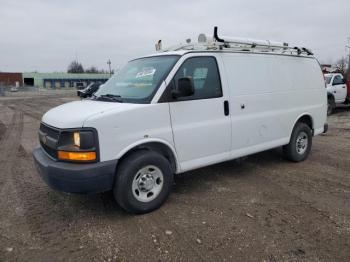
x=300, y=143
x=143, y=182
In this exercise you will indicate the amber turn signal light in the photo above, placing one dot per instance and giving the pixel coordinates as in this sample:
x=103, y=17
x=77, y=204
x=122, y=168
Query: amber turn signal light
x=76, y=156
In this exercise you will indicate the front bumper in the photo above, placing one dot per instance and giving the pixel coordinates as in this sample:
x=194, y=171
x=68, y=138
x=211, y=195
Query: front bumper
x=75, y=177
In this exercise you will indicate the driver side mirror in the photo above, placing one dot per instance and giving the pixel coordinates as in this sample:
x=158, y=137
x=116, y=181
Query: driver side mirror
x=184, y=88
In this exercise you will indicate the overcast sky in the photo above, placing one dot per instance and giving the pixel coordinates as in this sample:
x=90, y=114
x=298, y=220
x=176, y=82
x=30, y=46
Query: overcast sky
x=46, y=35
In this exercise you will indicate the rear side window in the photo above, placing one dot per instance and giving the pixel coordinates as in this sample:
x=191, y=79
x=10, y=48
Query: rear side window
x=205, y=76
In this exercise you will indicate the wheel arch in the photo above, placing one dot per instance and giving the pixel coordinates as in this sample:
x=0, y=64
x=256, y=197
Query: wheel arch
x=305, y=118
x=158, y=145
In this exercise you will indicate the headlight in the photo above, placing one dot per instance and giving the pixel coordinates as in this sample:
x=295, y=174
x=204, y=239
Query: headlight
x=76, y=137
x=78, y=145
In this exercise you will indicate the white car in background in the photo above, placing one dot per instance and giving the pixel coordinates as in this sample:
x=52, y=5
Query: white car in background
x=337, y=92
x=14, y=89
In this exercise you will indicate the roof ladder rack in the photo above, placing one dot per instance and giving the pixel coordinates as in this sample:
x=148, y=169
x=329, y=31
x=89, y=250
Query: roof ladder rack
x=237, y=44
x=250, y=44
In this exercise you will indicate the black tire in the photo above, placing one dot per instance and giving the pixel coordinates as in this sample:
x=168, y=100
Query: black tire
x=330, y=105
x=128, y=170
x=296, y=150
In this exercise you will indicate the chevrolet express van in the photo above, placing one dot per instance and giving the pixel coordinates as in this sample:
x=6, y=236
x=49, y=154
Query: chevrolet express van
x=180, y=109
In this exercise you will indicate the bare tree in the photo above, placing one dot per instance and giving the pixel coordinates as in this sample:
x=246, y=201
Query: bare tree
x=341, y=65
x=92, y=70
x=75, y=67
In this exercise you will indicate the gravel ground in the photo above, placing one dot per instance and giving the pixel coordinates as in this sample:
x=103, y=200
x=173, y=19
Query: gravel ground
x=260, y=208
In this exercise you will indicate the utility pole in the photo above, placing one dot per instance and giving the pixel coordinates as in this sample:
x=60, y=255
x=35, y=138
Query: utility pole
x=109, y=64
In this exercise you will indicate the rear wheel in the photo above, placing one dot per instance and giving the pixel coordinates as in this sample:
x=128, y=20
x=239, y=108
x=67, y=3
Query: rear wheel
x=143, y=182
x=300, y=143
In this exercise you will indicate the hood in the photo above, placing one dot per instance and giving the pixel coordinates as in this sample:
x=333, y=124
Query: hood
x=74, y=114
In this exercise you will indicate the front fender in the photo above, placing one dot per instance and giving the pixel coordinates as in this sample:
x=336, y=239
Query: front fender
x=149, y=140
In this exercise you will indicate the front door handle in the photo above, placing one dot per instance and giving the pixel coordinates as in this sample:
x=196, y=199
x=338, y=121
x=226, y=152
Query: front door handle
x=226, y=108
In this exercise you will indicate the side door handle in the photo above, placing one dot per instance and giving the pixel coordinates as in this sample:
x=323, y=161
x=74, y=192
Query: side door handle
x=226, y=108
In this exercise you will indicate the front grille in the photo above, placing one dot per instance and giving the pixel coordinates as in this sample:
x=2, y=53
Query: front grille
x=52, y=152
x=51, y=135
x=50, y=131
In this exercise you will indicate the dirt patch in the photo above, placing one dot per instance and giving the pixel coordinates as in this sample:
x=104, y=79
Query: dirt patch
x=260, y=208
x=2, y=129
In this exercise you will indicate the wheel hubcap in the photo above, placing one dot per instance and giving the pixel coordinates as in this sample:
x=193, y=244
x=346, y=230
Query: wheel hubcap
x=147, y=183
x=301, y=143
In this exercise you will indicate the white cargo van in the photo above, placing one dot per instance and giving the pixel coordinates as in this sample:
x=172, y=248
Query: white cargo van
x=181, y=109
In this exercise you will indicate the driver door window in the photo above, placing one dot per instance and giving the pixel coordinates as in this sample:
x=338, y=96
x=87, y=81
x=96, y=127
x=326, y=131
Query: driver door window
x=204, y=73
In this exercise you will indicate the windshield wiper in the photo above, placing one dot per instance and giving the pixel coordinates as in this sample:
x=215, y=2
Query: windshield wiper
x=110, y=97
x=93, y=97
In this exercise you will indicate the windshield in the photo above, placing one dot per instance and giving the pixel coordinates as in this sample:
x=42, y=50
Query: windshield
x=139, y=80
x=328, y=79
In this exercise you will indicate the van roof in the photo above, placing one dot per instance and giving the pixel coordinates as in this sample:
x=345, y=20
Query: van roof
x=161, y=53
